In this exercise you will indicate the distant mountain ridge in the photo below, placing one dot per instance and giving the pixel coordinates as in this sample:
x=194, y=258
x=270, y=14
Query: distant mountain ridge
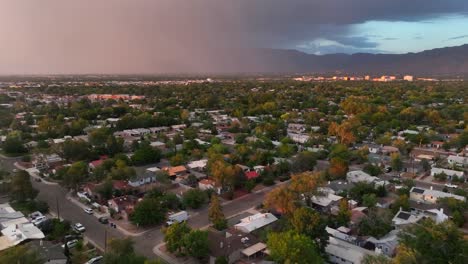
x=441, y=61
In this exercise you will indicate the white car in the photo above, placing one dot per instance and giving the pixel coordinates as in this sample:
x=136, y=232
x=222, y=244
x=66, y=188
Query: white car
x=79, y=227
x=88, y=210
x=95, y=260
x=451, y=185
x=38, y=220
x=71, y=243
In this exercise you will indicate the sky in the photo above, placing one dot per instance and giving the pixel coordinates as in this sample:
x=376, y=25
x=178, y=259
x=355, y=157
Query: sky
x=158, y=36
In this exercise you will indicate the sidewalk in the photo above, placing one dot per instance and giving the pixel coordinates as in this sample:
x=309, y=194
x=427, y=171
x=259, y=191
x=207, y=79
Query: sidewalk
x=120, y=227
x=33, y=174
x=160, y=250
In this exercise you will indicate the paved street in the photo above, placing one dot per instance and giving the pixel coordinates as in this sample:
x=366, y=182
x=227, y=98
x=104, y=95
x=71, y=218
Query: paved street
x=144, y=243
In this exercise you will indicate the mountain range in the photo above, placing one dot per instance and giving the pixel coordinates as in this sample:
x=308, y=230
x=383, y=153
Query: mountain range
x=441, y=61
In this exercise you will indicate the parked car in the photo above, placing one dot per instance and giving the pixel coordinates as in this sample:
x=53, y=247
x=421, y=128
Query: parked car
x=71, y=237
x=103, y=220
x=71, y=243
x=88, y=210
x=95, y=260
x=451, y=185
x=79, y=228
x=35, y=215
x=39, y=220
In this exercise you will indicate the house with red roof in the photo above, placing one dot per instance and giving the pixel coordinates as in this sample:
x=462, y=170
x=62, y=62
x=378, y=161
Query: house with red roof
x=96, y=163
x=251, y=175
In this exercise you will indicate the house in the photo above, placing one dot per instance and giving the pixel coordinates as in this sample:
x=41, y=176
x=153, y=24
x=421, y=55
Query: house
x=51, y=253
x=457, y=160
x=389, y=150
x=15, y=234
x=357, y=215
x=387, y=244
x=229, y=244
x=298, y=138
x=431, y=196
x=360, y=176
x=450, y=173
x=326, y=202
x=342, y=252
x=96, y=163
x=121, y=185
x=250, y=175
x=199, y=165
x=209, y=184
x=143, y=178
x=123, y=205
x=44, y=162
x=405, y=218
x=9, y=216
x=177, y=171
x=254, y=222
x=373, y=148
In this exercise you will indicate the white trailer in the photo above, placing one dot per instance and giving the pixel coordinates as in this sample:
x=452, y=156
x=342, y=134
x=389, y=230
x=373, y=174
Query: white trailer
x=179, y=217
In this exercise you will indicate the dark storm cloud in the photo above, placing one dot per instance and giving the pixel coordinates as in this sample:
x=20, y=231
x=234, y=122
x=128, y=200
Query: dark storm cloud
x=150, y=36
x=458, y=37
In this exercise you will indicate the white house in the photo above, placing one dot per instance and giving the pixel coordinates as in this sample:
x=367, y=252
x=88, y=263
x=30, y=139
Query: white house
x=254, y=222
x=198, y=164
x=449, y=173
x=431, y=196
x=342, y=252
x=360, y=176
x=387, y=244
x=457, y=160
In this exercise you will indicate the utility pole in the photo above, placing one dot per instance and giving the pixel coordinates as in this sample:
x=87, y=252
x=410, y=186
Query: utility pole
x=58, y=208
x=105, y=240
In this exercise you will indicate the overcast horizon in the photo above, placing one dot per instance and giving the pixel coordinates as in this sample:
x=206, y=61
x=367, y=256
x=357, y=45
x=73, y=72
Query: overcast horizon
x=170, y=36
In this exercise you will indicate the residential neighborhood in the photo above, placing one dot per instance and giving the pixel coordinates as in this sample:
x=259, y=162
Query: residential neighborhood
x=327, y=170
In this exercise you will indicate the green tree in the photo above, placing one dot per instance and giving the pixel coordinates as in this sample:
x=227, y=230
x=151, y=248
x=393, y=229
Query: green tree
x=401, y=202
x=148, y=212
x=194, y=198
x=13, y=144
x=21, y=189
x=122, y=251
x=173, y=236
x=76, y=174
x=309, y=222
x=435, y=243
x=196, y=244
x=304, y=161
x=146, y=154
x=344, y=213
x=215, y=213
x=369, y=200
x=20, y=254
x=378, y=259
x=290, y=247
x=397, y=163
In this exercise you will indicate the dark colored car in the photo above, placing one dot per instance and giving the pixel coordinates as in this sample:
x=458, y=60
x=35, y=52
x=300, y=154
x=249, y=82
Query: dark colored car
x=103, y=220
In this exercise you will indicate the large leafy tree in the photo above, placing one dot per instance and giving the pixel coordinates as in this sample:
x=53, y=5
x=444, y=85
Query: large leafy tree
x=148, y=212
x=290, y=247
x=309, y=222
x=173, y=236
x=435, y=243
x=76, y=174
x=194, y=198
x=20, y=254
x=282, y=199
x=196, y=244
x=21, y=187
x=122, y=251
x=215, y=213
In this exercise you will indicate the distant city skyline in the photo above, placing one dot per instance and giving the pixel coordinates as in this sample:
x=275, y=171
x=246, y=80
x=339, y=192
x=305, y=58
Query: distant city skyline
x=145, y=36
